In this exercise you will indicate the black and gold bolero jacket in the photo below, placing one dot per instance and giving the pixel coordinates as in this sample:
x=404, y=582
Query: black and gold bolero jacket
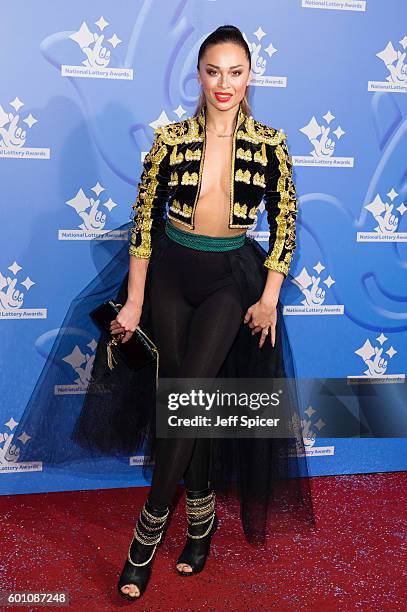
x=261, y=168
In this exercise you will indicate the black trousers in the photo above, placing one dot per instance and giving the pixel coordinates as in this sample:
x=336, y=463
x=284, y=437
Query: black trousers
x=196, y=312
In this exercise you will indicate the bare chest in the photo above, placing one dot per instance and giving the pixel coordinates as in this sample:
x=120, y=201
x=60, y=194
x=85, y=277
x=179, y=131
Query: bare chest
x=216, y=172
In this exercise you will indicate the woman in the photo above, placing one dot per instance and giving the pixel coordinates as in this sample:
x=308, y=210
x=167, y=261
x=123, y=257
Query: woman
x=195, y=301
x=208, y=295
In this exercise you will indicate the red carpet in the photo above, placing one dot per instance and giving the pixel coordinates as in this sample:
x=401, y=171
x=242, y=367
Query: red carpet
x=78, y=541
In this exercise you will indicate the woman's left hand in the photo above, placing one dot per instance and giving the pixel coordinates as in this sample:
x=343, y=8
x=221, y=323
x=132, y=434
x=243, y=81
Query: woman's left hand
x=262, y=316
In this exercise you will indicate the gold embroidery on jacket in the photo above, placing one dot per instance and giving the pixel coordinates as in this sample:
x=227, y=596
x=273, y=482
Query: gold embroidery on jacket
x=193, y=155
x=260, y=156
x=258, y=180
x=189, y=179
x=286, y=230
x=241, y=117
x=240, y=210
x=244, y=154
x=257, y=132
x=176, y=158
x=243, y=175
x=243, y=136
x=181, y=132
x=185, y=211
x=252, y=212
x=174, y=179
x=145, y=199
x=175, y=206
x=192, y=130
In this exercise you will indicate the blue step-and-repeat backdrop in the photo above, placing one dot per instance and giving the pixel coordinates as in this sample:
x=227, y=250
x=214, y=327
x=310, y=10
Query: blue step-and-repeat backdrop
x=82, y=87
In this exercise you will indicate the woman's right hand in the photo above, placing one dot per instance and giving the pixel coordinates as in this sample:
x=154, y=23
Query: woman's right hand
x=126, y=321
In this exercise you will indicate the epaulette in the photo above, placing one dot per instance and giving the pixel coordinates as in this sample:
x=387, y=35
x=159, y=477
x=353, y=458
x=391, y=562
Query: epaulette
x=268, y=134
x=180, y=132
x=257, y=132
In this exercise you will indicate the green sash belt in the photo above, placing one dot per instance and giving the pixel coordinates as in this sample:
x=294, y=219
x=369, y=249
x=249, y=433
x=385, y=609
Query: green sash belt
x=201, y=242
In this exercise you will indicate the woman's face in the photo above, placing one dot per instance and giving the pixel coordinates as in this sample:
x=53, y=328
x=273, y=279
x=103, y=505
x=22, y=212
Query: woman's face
x=224, y=74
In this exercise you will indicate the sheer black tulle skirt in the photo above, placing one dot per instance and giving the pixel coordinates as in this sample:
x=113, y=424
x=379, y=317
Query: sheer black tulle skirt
x=82, y=410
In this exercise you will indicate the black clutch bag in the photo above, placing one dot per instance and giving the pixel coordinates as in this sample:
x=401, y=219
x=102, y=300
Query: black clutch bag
x=137, y=352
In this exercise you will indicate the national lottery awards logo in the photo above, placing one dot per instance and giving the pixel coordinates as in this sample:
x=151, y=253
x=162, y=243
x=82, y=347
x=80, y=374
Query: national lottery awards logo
x=13, y=290
x=81, y=361
x=258, y=51
x=335, y=5
x=376, y=356
x=315, y=285
x=312, y=425
x=323, y=142
x=305, y=443
x=10, y=451
x=15, y=130
x=92, y=212
x=97, y=53
x=385, y=216
x=394, y=60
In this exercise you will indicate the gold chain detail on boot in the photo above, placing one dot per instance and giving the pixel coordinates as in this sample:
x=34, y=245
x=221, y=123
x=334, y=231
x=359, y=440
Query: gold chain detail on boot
x=145, y=538
x=155, y=519
x=199, y=500
x=197, y=537
x=203, y=510
x=148, y=527
x=206, y=510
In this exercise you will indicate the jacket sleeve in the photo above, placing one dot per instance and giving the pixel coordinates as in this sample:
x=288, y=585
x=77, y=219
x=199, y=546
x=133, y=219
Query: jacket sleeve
x=151, y=198
x=281, y=206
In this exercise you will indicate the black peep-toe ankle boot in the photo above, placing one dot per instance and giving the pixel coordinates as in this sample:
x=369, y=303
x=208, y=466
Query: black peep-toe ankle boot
x=147, y=535
x=202, y=524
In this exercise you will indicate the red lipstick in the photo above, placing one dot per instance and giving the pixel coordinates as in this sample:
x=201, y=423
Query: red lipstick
x=222, y=97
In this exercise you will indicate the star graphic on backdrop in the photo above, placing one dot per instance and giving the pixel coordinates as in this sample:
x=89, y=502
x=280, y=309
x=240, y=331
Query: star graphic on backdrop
x=102, y=23
x=28, y=283
x=15, y=268
x=30, y=120
x=16, y=103
x=114, y=41
x=259, y=33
